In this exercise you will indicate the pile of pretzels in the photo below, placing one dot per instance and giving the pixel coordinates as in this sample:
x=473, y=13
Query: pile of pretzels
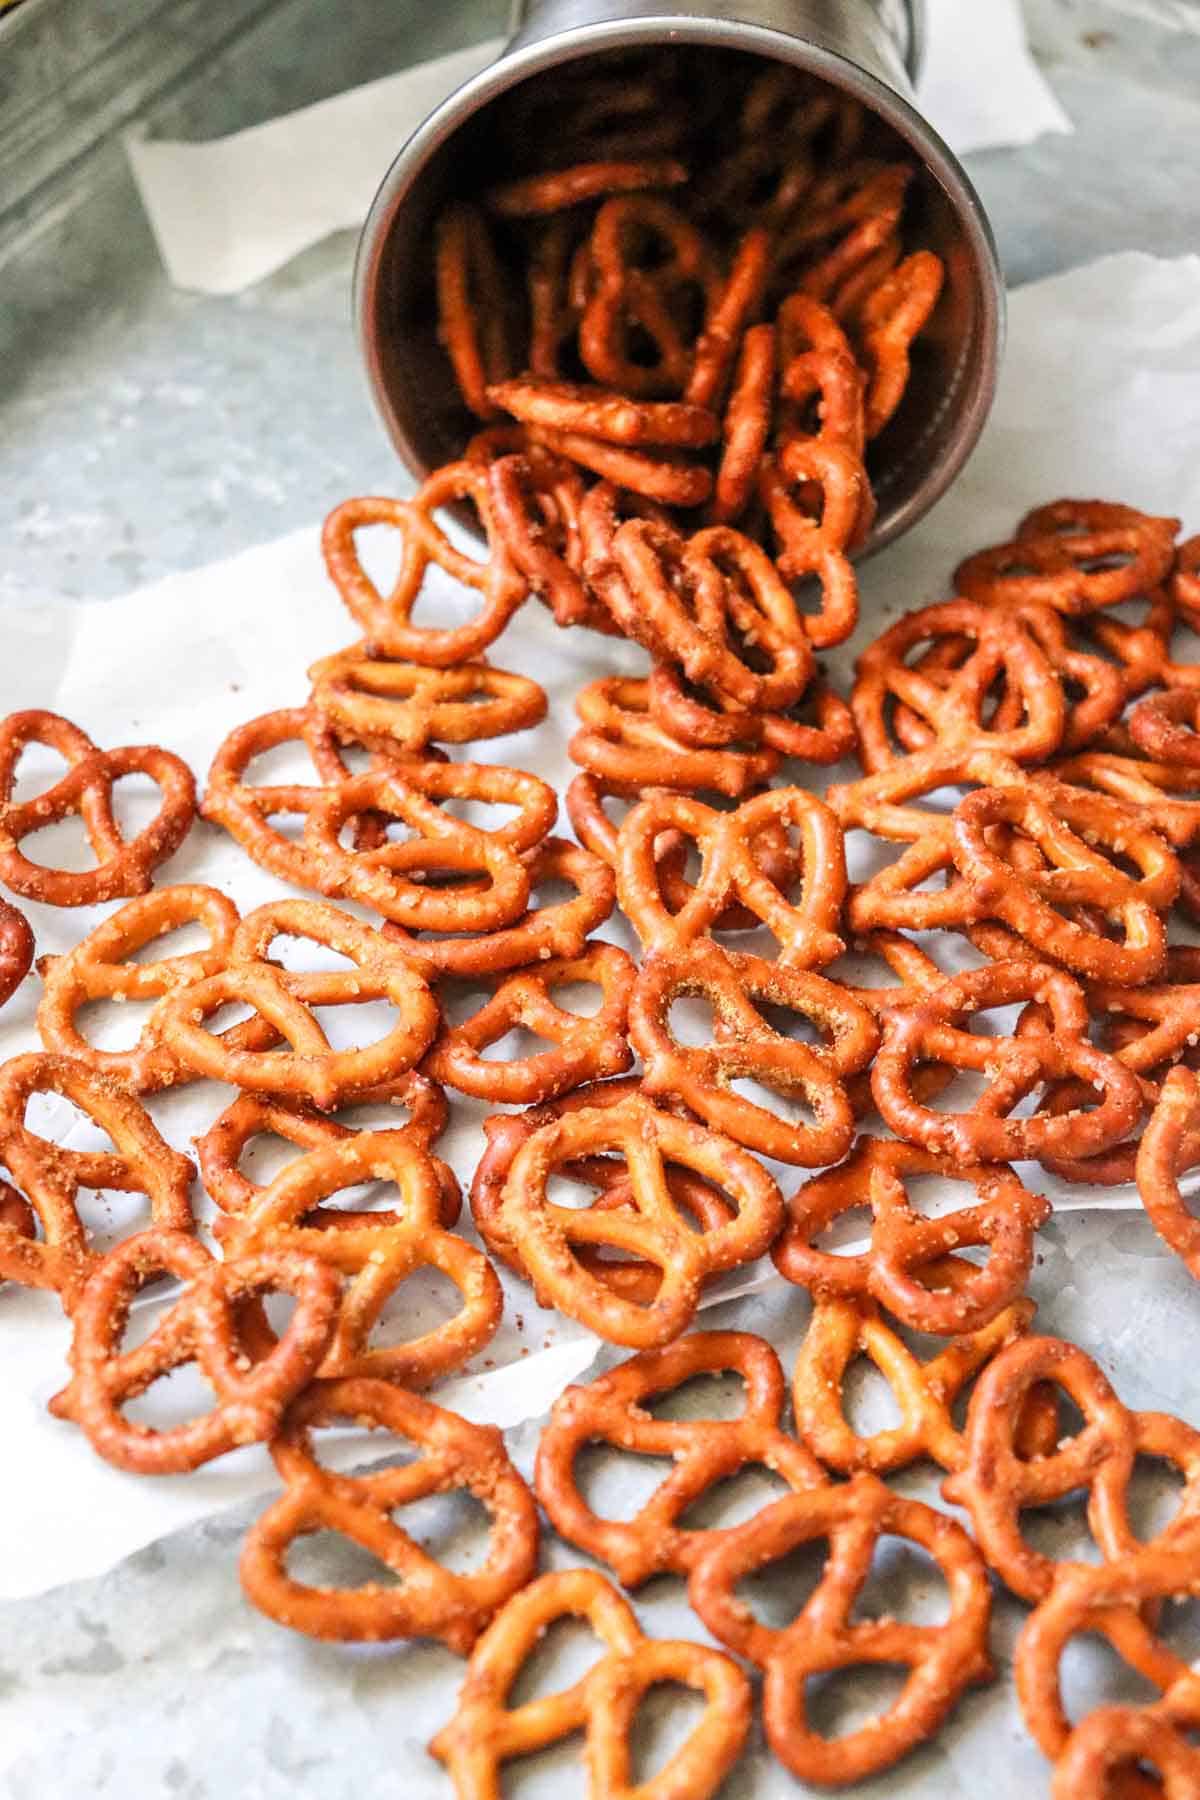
x=684, y=463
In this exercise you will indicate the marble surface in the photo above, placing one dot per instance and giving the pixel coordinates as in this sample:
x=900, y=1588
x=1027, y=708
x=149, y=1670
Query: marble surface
x=143, y=430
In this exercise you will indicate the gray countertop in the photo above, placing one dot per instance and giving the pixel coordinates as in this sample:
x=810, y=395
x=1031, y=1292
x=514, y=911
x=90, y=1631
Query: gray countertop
x=144, y=430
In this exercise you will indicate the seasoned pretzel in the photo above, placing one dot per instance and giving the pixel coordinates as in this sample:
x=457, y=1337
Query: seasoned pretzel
x=1164, y=727
x=730, y=317
x=485, y=1732
x=632, y=1278
x=124, y=866
x=386, y=619
x=1074, y=555
x=649, y=1226
x=847, y=217
x=1057, y=818
x=532, y=195
x=806, y=929
x=658, y=475
x=602, y=413
x=624, y=744
x=745, y=1046
x=311, y=1069
x=943, y=1660
x=1185, y=582
x=1165, y=796
x=1016, y=1066
x=814, y=538
x=746, y=426
x=472, y=295
x=536, y=500
x=403, y=706
x=903, y=1243
x=209, y=1325
x=1169, y=1144
x=557, y=929
x=588, y=1046
x=612, y=1410
x=827, y=739
x=995, y=1483
x=1104, y=1751
x=377, y=1252
x=102, y=966
x=892, y=316
x=220, y=1150
x=428, y=1601
x=1112, y=1602
x=16, y=950
x=51, y=1176
x=841, y=1330
x=634, y=287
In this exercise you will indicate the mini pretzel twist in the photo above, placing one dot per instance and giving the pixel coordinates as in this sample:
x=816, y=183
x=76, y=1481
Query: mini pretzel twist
x=485, y=1732
x=612, y=1410
x=943, y=1660
x=1074, y=555
x=50, y=1176
x=903, y=1243
x=588, y=1047
x=472, y=294
x=1104, y=1752
x=996, y=1483
x=429, y=1601
x=208, y=1325
x=630, y=287
x=377, y=1252
x=623, y=743
x=536, y=498
x=311, y=1069
x=125, y=866
x=16, y=950
x=891, y=316
x=1169, y=1145
x=649, y=1227
x=405, y=706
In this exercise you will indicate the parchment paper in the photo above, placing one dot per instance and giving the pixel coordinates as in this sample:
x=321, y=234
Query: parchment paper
x=1100, y=395
x=229, y=211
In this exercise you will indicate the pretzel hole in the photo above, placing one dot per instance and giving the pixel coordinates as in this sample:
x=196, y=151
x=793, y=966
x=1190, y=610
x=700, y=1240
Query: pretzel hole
x=904, y=1582
x=667, y=1715
x=176, y=1398
x=136, y=798
x=181, y=940
x=780, y=1590
x=517, y=1045
x=692, y=1021
x=868, y=1404
x=484, y=815
x=453, y=1528
x=1153, y=1497
x=564, y=1652
x=426, y=1300
x=848, y=1233
x=39, y=768
x=1060, y=1530
x=356, y=1025
x=565, y=1191
x=789, y=1022
x=846, y=1700
x=326, y=1560
x=1093, y=1674
x=712, y=1396
x=63, y=844
x=793, y=1108
x=933, y=1196
x=583, y=998
x=734, y=1499
x=616, y=1484
x=113, y=1024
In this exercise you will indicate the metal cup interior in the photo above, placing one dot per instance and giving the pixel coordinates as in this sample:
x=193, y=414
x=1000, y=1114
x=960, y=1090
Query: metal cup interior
x=455, y=155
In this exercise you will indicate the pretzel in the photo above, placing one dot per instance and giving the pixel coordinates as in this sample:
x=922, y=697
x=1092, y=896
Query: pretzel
x=745, y=1046
x=612, y=1410
x=815, y=543
x=806, y=930
x=624, y=744
x=848, y=216
x=220, y=1150
x=1160, y=793
x=746, y=426
x=50, y=1176
x=581, y=182
x=1169, y=1144
x=827, y=739
x=1103, y=1752
x=124, y=866
x=730, y=317
x=1164, y=727
x=1005, y=1218
x=943, y=1659
x=588, y=1046
x=558, y=929
x=386, y=619
x=102, y=966
x=843, y=1329
x=649, y=1226
x=311, y=1069
x=658, y=475
x=485, y=1732
x=632, y=287
x=403, y=706
x=209, y=1325
x=245, y=809
x=891, y=317
x=1112, y=1602
x=1185, y=582
x=609, y=415
x=16, y=950
x=16, y=1214
x=536, y=500
x=1016, y=1066
x=996, y=1484
x=386, y=878
x=1074, y=555
x=472, y=298
x=1056, y=818
x=428, y=1601
x=631, y=1278
x=819, y=370
x=377, y=1252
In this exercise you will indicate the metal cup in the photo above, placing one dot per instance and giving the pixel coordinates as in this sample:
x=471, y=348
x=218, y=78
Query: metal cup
x=869, y=48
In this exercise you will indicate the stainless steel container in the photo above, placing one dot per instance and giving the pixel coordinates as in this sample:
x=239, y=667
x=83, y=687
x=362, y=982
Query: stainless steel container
x=869, y=48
